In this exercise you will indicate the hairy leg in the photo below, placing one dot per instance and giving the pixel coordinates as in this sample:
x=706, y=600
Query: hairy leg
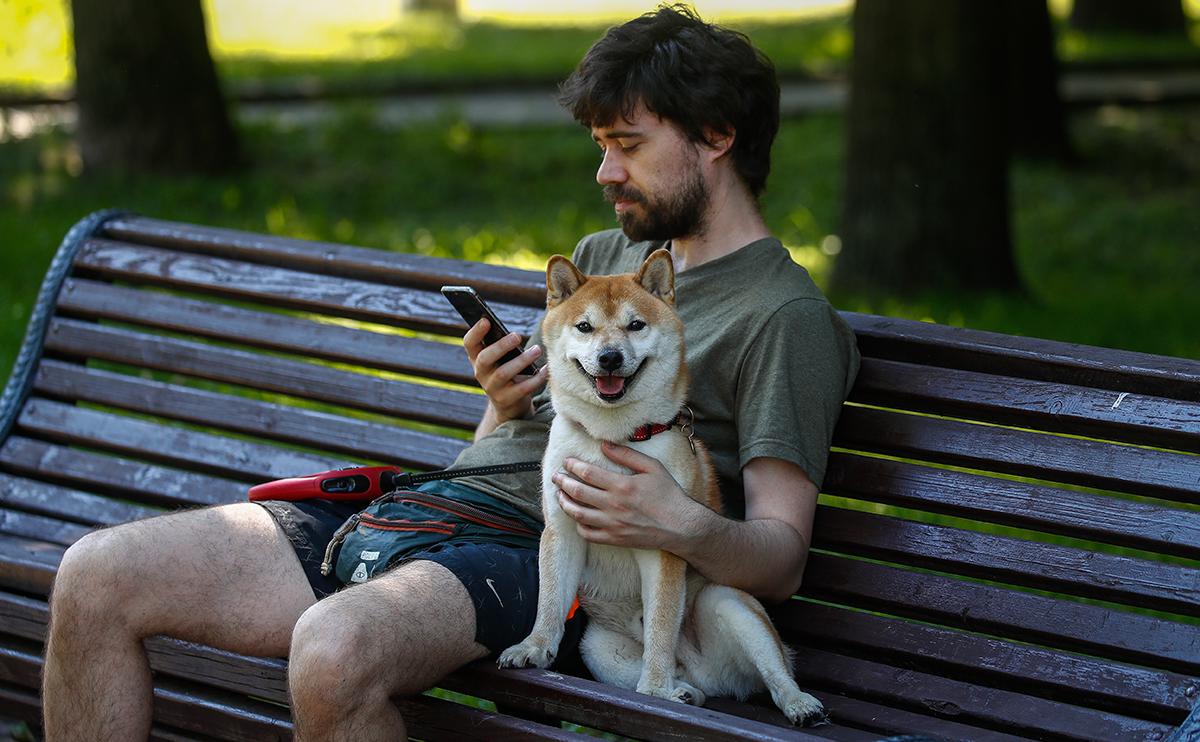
x=224, y=576
x=396, y=635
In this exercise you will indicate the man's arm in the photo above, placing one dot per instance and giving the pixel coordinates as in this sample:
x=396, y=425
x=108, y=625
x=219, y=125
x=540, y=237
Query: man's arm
x=508, y=397
x=763, y=555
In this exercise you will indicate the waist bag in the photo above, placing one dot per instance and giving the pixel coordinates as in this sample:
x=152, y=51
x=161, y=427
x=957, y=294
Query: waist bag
x=406, y=522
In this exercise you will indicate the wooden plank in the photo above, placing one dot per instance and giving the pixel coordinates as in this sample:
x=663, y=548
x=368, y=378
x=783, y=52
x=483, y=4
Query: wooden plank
x=1062, y=408
x=134, y=480
x=506, y=284
x=285, y=376
x=433, y=718
x=28, y=565
x=1156, y=695
x=857, y=719
x=1138, y=525
x=609, y=708
x=417, y=309
x=67, y=504
x=1118, y=579
x=1008, y=614
x=270, y=331
x=211, y=454
x=925, y=343
x=266, y=420
x=968, y=703
x=28, y=525
x=1138, y=471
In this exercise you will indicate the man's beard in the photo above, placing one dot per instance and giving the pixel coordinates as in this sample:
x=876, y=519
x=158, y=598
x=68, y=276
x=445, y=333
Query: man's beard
x=680, y=214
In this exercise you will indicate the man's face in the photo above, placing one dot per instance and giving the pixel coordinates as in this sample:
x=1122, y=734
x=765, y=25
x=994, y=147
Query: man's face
x=651, y=174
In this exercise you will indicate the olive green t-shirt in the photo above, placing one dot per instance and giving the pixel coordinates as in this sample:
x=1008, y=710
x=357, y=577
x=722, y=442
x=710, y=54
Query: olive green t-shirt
x=770, y=360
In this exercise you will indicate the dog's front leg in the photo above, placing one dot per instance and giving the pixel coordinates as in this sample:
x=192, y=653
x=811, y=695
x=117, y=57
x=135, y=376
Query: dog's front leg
x=663, y=596
x=561, y=555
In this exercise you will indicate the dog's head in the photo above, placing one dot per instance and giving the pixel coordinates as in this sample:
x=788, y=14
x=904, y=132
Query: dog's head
x=615, y=341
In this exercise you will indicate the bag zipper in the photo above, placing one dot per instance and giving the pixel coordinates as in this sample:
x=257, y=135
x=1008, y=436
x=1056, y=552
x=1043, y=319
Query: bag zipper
x=467, y=512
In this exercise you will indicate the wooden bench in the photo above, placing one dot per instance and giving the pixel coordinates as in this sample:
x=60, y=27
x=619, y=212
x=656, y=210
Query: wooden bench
x=1007, y=549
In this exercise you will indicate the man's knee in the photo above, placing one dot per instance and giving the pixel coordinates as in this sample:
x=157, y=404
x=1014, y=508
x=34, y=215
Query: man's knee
x=334, y=659
x=89, y=584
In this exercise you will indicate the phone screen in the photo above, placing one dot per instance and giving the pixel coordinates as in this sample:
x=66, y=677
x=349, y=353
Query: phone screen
x=473, y=308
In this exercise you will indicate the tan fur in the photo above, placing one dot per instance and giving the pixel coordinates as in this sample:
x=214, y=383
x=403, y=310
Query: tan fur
x=654, y=624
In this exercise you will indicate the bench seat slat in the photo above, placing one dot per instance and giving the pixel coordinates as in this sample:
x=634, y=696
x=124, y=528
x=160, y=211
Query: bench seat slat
x=134, y=480
x=271, y=331
x=501, y=282
x=281, y=375
x=1119, y=579
x=1061, y=408
x=211, y=454
x=418, y=309
x=1009, y=614
x=1146, y=526
x=1129, y=469
x=1030, y=358
x=1011, y=712
x=67, y=504
x=314, y=429
x=1083, y=681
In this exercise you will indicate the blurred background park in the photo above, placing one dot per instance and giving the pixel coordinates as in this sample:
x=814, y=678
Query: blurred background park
x=1019, y=167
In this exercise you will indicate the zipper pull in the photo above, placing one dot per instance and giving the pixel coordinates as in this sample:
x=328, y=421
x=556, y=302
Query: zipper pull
x=338, y=537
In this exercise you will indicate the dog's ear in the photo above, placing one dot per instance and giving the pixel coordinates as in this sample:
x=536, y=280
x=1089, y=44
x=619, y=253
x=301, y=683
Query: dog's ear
x=562, y=280
x=657, y=275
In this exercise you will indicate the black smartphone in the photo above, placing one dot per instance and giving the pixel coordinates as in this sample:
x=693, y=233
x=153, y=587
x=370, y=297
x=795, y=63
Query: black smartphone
x=472, y=307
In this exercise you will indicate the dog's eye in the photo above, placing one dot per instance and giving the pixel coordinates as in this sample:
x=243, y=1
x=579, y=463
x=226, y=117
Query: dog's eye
x=636, y=325
x=583, y=327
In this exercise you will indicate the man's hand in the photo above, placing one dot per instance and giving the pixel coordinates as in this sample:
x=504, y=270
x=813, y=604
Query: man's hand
x=510, y=393
x=646, y=509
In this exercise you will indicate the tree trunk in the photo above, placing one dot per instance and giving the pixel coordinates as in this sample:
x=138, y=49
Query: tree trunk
x=1036, y=119
x=926, y=200
x=147, y=90
x=1136, y=16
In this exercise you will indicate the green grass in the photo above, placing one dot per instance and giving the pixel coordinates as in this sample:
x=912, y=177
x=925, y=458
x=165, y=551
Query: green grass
x=1107, y=249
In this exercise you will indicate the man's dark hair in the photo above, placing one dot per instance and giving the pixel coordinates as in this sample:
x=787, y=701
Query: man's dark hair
x=695, y=74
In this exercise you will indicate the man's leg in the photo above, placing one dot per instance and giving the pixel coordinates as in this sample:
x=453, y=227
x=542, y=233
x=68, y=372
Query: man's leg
x=224, y=576
x=396, y=635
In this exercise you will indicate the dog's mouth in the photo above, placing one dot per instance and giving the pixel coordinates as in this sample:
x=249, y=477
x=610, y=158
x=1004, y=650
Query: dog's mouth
x=613, y=387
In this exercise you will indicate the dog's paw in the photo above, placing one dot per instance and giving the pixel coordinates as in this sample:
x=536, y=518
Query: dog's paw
x=802, y=709
x=688, y=694
x=529, y=653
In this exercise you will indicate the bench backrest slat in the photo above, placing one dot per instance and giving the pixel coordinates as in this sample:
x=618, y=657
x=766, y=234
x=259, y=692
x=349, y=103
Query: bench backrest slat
x=1085, y=516
x=269, y=331
x=417, y=309
x=67, y=504
x=1129, y=469
x=353, y=437
x=1048, y=406
x=1021, y=616
x=495, y=282
x=268, y=373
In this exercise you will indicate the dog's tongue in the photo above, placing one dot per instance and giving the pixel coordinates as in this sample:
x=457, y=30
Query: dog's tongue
x=610, y=384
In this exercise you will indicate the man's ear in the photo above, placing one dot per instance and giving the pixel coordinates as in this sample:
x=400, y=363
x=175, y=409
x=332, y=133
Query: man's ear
x=657, y=275
x=562, y=280
x=719, y=142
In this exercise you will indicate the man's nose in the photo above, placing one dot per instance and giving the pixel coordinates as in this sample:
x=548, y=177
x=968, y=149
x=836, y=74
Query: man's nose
x=611, y=170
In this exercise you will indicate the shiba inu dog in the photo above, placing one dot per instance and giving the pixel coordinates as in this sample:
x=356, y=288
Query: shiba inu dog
x=616, y=353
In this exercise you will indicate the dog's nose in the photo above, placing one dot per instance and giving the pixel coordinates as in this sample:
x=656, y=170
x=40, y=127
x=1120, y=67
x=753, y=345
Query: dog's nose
x=611, y=360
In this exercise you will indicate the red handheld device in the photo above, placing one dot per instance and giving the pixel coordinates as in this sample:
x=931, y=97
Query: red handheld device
x=353, y=483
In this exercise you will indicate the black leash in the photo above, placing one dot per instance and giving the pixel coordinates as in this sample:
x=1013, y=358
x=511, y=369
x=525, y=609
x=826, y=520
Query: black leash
x=401, y=480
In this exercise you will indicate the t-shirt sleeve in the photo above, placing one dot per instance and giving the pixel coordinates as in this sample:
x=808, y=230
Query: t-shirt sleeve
x=795, y=376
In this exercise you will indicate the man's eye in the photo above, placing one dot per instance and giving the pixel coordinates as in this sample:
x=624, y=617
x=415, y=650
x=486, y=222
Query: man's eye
x=583, y=327
x=636, y=325
x=630, y=147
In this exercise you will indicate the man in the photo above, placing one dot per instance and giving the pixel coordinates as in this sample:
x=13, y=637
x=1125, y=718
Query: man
x=684, y=114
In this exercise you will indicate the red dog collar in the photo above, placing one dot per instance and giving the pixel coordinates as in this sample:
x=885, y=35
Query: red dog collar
x=683, y=421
